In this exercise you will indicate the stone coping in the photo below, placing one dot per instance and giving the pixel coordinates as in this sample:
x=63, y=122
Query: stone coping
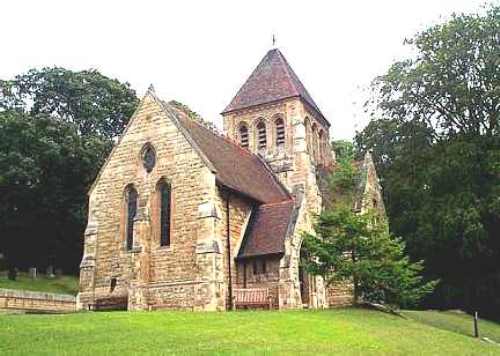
x=25, y=294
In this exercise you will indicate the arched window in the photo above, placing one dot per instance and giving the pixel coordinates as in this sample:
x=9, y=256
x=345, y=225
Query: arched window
x=307, y=125
x=321, y=148
x=261, y=136
x=314, y=134
x=165, y=198
x=243, y=135
x=131, y=206
x=280, y=132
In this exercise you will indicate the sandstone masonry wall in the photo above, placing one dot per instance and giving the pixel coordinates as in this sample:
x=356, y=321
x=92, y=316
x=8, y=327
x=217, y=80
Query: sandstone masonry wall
x=20, y=300
x=149, y=273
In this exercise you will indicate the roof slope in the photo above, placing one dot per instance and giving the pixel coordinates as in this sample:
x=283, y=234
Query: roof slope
x=272, y=80
x=267, y=230
x=236, y=168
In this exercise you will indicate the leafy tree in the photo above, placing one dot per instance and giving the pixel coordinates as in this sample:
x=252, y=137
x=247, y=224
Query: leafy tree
x=437, y=151
x=357, y=247
x=56, y=129
x=344, y=150
x=96, y=104
x=46, y=168
x=452, y=85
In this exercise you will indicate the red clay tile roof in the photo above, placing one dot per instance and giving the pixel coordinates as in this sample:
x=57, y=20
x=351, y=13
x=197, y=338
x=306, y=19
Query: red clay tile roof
x=243, y=171
x=267, y=230
x=236, y=168
x=272, y=80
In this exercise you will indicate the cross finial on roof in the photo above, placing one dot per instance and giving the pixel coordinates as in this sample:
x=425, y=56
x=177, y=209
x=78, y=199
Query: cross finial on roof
x=151, y=88
x=274, y=40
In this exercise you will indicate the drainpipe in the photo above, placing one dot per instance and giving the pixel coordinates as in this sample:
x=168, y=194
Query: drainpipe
x=228, y=244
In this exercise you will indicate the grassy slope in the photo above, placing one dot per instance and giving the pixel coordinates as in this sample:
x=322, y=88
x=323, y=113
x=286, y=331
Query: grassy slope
x=457, y=322
x=345, y=331
x=64, y=284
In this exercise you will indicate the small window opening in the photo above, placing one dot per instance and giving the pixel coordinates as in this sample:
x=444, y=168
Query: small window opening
x=244, y=136
x=280, y=133
x=261, y=136
x=112, y=285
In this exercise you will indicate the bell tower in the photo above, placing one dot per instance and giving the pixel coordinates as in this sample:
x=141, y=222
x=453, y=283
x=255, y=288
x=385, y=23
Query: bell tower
x=274, y=116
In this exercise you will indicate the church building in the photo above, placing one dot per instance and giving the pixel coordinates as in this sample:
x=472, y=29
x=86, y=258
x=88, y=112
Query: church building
x=183, y=216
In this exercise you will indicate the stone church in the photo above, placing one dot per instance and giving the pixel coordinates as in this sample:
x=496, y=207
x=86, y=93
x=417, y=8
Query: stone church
x=183, y=216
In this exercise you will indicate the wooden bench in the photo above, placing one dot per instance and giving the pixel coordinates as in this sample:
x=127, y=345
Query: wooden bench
x=111, y=303
x=252, y=297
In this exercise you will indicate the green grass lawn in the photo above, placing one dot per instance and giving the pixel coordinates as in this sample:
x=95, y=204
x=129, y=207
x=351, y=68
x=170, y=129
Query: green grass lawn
x=457, y=322
x=63, y=284
x=343, y=331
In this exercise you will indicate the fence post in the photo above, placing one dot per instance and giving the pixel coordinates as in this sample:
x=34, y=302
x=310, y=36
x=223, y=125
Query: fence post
x=476, y=330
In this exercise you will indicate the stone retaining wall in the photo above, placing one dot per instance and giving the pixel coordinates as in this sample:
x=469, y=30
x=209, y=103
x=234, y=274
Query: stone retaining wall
x=340, y=295
x=20, y=300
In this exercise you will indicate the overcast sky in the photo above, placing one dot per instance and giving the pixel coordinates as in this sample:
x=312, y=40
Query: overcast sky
x=201, y=52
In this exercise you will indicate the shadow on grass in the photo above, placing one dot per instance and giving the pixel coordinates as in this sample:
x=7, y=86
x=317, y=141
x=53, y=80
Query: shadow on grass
x=457, y=322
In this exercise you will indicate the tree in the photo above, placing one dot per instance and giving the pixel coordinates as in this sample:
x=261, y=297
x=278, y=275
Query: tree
x=56, y=129
x=46, y=168
x=350, y=246
x=343, y=149
x=452, y=85
x=94, y=103
x=435, y=141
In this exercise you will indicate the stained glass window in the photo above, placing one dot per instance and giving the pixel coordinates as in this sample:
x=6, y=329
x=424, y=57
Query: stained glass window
x=131, y=212
x=165, y=199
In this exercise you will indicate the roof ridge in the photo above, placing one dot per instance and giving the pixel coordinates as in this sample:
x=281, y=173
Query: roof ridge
x=170, y=110
x=221, y=135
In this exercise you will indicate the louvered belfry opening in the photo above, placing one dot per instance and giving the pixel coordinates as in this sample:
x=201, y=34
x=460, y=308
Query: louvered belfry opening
x=280, y=132
x=261, y=136
x=244, y=136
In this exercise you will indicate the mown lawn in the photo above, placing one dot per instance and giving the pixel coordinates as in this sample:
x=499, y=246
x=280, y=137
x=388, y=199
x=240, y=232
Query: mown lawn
x=457, y=322
x=63, y=284
x=343, y=331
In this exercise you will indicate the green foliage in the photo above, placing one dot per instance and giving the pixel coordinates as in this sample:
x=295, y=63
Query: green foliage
x=46, y=168
x=56, y=129
x=356, y=247
x=342, y=183
x=437, y=152
x=349, y=246
x=340, y=331
x=186, y=109
x=344, y=150
x=452, y=85
x=95, y=104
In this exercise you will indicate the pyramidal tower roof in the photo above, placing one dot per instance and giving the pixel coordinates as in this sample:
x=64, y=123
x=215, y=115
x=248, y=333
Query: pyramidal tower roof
x=272, y=80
